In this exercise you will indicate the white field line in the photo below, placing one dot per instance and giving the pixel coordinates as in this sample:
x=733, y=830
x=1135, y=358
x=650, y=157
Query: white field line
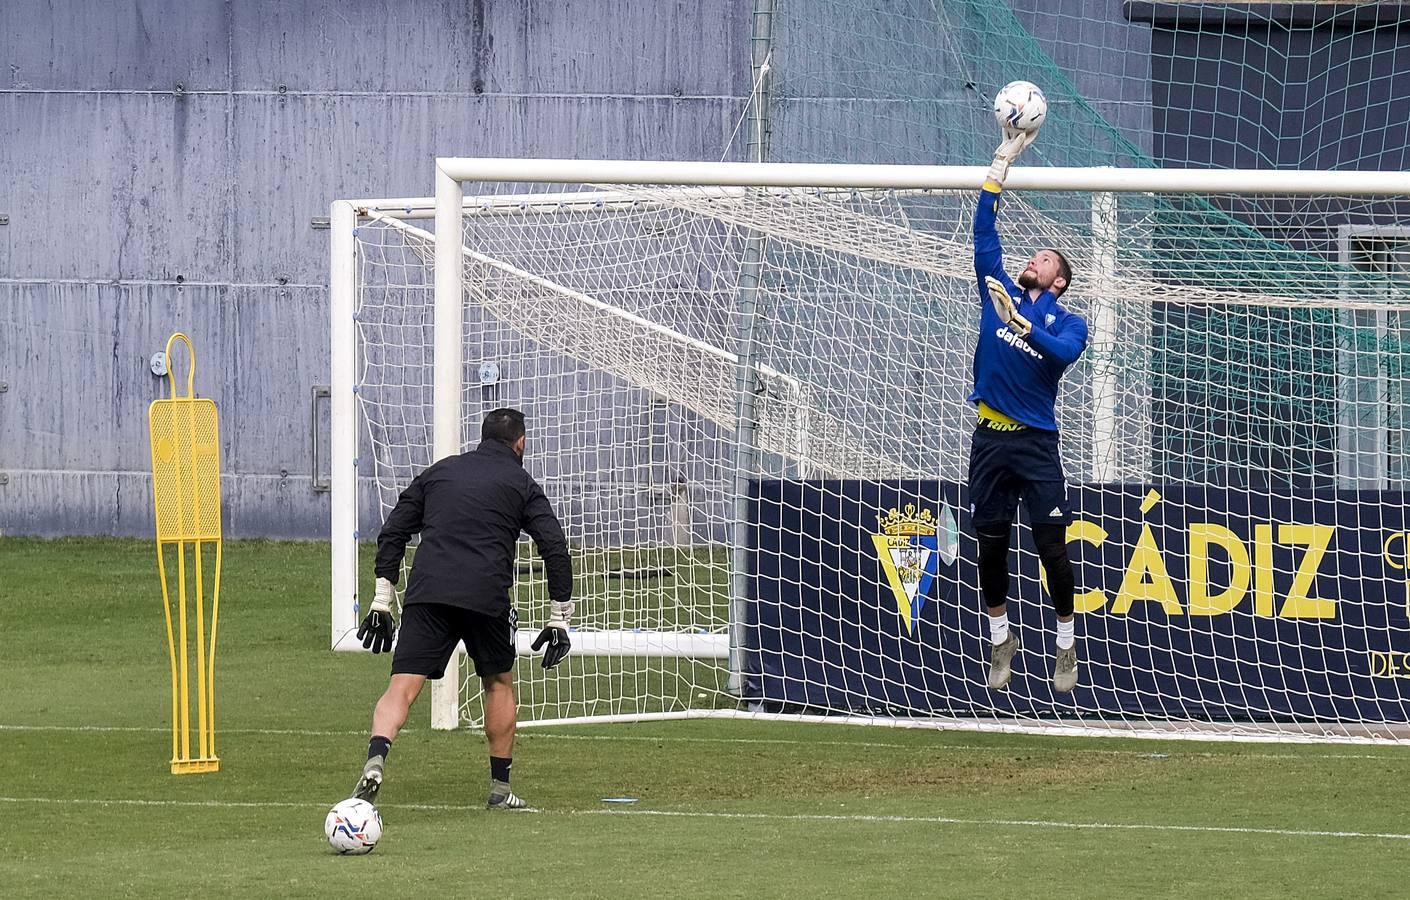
x=1004, y=823
x=1389, y=756
x=147, y=729
x=745, y=816
x=1162, y=754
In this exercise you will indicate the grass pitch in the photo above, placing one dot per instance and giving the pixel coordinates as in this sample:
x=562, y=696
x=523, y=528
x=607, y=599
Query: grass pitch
x=725, y=809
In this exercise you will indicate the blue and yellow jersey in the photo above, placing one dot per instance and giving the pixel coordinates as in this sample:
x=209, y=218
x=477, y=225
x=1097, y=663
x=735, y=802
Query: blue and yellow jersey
x=1018, y=376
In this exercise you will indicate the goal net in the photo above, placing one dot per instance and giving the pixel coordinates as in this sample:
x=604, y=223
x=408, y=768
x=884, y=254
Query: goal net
x=748, y=407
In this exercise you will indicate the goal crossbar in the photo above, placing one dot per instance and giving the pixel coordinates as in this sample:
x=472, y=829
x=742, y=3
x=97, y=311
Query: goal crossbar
x=1051, y=178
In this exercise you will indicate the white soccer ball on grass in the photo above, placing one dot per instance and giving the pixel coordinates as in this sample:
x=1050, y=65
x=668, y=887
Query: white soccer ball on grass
x=1021, y=105
x=353, y=827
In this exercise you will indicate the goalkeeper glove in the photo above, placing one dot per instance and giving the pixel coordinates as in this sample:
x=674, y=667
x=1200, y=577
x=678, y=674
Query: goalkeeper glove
x=378, y=627
x=1003, y=305
x=1015, y=142
x=555, y=635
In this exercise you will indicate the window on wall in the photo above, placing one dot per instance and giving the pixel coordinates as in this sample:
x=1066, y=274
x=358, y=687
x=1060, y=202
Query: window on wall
x=1376, y=368
x=1279, y=85
x=1322, y=85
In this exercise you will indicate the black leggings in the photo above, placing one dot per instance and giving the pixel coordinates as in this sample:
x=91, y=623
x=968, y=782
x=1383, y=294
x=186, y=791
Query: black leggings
x=1051, y=543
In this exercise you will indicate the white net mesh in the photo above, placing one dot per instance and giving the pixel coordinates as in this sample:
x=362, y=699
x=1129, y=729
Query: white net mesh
x=1234, y=434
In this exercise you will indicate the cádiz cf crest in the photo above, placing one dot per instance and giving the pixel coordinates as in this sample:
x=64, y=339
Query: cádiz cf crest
x=911, y=548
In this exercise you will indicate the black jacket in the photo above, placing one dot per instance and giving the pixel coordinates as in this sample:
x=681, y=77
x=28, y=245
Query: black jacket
x=469, y=510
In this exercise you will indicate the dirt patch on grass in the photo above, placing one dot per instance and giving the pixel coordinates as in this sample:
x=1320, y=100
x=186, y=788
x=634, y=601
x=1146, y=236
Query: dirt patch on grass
x=879, y=774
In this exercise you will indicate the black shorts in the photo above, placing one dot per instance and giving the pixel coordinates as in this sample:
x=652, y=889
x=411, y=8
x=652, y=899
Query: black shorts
x=430, y=632
x=1007, y=465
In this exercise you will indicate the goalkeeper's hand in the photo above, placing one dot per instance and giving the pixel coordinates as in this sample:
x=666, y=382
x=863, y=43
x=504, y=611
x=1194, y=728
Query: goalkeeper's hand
x=554, y=637
x=1003, y=305
x=378, y=627
x=1014, y=143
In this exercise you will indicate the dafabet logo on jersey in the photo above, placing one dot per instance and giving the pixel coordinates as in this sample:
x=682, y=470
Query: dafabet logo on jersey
x=910, y=548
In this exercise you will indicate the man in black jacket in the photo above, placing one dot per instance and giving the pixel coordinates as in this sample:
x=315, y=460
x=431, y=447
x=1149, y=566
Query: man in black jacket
x=469, y=510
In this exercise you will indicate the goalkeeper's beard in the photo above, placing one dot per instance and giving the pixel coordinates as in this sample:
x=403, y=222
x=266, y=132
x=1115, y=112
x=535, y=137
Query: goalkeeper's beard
x=1028, y=279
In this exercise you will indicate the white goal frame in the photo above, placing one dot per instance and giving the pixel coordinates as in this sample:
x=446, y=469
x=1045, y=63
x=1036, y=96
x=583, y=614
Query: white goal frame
x=447, y=209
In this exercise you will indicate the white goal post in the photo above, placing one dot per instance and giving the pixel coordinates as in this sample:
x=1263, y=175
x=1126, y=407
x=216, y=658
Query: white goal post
x=750, y=383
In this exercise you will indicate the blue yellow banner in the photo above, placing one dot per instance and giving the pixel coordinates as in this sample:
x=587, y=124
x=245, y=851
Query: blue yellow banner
x=1193, y=602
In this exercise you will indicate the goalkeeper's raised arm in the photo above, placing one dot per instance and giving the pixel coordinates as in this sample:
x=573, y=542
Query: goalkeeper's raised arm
x=988, y=251
x=1027, y=339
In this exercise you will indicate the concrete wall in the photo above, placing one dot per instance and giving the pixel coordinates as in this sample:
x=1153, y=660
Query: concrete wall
x=161, y=162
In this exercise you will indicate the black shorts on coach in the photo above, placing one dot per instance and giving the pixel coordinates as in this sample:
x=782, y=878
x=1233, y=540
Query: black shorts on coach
x=430, y=632
x=1006, y=466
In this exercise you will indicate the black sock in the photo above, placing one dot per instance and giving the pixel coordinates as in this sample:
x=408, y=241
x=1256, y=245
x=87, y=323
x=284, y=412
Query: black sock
x=499, y=768
x=379, y=746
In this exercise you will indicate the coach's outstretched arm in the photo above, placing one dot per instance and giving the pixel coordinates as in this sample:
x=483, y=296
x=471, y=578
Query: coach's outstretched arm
x=543, y=526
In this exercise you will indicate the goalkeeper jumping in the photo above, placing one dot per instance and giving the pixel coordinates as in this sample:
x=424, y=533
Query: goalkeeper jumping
x=1026, y=341
x=469, y=510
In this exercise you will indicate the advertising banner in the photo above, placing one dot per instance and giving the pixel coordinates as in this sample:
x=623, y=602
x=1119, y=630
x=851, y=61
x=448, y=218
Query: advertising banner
x=1191, y=603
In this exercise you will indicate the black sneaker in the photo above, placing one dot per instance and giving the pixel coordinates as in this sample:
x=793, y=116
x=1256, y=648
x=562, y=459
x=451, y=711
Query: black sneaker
x=371, y=781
